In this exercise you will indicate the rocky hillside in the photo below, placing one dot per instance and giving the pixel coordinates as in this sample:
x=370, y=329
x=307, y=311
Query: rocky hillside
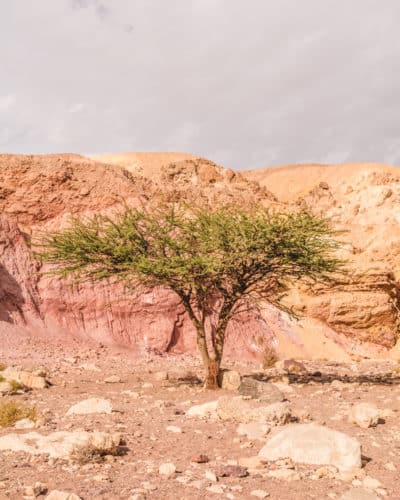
x=359, y=317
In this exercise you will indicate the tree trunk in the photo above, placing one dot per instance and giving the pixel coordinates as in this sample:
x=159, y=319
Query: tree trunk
x=212, y=371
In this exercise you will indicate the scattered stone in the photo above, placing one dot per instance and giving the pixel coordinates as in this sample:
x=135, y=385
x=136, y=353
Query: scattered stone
x=229, y=380
x=92, y=405
x=204, y=410
x=254, y=430
x=216, y=488
x=290, y=366
x=313, y=444
x=371, y=483
x=211, y=476
x=231, y=471
x=114, y=379
x=359, y=494
x=247, y=411
x=174, y=428
x=364, y=415
x=161, y=376
x=5, y=388
x=264, y=391
x=167, y=469
x=148, y=385
x=390, y=466
x=61, y=495
x=259, y=494
x=59, y=444
x=284, y=474
x=89, y=367
x=25, y=423
x=199, y=459
x=35, y=490
x=251, y=462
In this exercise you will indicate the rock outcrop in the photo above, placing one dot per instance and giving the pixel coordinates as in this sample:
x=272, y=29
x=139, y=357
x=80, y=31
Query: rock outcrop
x=357, y=315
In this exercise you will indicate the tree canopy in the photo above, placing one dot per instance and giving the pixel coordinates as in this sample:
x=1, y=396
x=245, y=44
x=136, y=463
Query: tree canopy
x=214, y=260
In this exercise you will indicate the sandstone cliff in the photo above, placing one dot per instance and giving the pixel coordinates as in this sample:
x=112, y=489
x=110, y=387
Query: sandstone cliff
x=358, y=316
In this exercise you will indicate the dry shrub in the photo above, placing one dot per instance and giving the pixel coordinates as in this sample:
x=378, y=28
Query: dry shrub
x=269, y=358
x=90, y=453
x=11, y=412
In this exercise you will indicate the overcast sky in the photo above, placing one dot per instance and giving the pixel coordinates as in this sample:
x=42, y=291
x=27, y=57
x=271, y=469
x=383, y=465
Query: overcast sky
x=245, y=83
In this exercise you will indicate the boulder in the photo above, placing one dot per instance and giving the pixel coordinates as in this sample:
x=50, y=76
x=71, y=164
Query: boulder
x=245, y=411
x=25, y=378
x=257, y=389
x=59, y=444
x=61, y=495
x=315, y=445
x=5, y=387
x=92, y=405
x=364, y=415
x=229, y=380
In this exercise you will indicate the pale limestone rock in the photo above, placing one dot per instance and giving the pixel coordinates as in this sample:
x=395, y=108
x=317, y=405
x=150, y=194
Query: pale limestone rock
x=250, y=462
x=284, y=474
x=58, y=444
x=5, y=387
x=364, y=415
x=25, y=423
x=25, y=378
x=113, y=379
x=167, y=469
x=313, y=444
x=253, y=431
x=92, y=405
x=371, y=483
x=204, y=410
x=229, y=380
x=174, y=428
x=259, y=494
x=247, y=411
x=61, y=495
x=359, y=494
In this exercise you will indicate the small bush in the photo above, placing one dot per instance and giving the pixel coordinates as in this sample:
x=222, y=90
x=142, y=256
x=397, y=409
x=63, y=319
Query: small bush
x=269, y=358
x=2, y=367
x=91, y=454
x=11, y=412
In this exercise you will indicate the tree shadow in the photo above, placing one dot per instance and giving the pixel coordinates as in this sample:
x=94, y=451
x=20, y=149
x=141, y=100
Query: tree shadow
x=387, y=378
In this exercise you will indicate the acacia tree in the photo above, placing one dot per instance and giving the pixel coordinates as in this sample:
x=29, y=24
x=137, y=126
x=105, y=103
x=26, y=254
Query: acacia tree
x=216, y=261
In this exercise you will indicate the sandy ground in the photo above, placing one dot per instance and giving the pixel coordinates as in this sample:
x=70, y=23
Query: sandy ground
x=144, y=406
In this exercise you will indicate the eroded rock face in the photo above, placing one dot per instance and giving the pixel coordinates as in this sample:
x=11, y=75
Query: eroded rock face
x=41, y=192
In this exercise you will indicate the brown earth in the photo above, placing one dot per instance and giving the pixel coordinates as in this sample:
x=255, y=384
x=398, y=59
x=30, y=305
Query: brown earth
x=359, y=317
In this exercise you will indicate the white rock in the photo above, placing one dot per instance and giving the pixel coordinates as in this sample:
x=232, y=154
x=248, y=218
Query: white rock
x=254, y=430
x=284, y=474
x=259, y=494
x=211, y=476
x=167, y=469
x=113, y=379
x=25, y=423
x=58, y=444
x=61, y=495
x=390, y=466
x=204, y=410
x=92, y=405
x=245, y=411
x=371, y=483
x=313, y=444
x=90, y=367
x=161, y=376
x=229, y=380
x=359, y=494
x=364, y=415
x=216, y=488
x=5, y=387
x=174, y=428
x=25, y=378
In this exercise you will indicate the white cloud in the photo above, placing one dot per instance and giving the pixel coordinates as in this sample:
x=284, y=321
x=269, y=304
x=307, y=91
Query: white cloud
x=7, y=102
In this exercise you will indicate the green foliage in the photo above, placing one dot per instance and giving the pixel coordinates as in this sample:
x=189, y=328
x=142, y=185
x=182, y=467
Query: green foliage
x=233, y=251
x=215, y=260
